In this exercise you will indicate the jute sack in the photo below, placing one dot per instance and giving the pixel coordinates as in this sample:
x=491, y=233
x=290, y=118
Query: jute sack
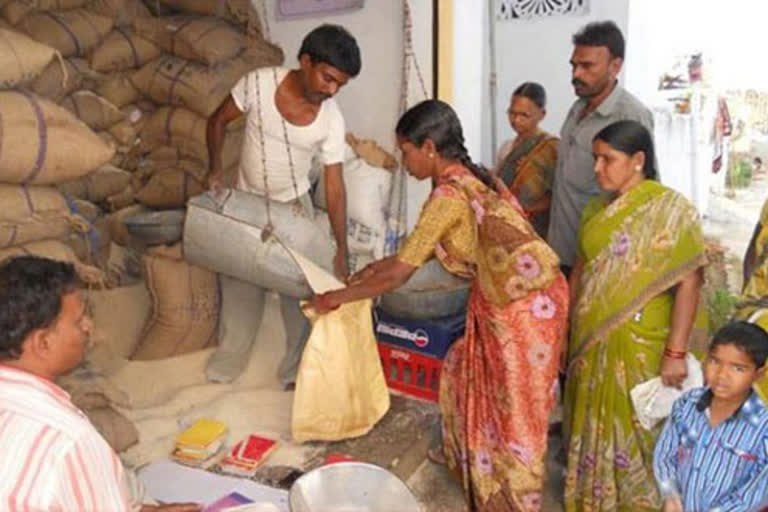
x=169, y=157
x=208, y=40
x=33, y=213
x=73, y=33
x=123, y=49
x=185, y=308
x=43, y=143
x=122, y=199
x=21, y=58
x=91, y=78
x=118, y=90
x=92, y=246
x=59, y=251
x=15, y=10
x=169, y=188
x=117, y=430
x=92, y=109
x=186, y=131
x=123, y=12
x=85, y=209
x=175, y=81
x=57, y=80
x=240, y=11
x=98, y=185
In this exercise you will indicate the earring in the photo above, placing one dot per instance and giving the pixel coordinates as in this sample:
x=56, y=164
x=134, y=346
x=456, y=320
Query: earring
x=431, y=155
x=638, y=168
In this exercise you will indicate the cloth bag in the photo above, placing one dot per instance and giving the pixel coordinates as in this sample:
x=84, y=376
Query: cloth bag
x=653, y=400
x=340, y=388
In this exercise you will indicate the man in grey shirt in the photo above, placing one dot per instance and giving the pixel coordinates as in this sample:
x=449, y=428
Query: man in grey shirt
x=596, y=61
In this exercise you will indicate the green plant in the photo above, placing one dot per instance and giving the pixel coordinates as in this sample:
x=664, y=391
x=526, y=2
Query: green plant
x=739, y=173
x=721, y=305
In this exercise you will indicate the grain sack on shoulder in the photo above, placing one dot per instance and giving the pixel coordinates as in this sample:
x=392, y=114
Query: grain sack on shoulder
x=58, y=80
x=185, y=307
x=175, y=81
x=208, y=40
x=15, y=10
x=33, y=213
x=73, y=33
x=43, y=143
x=92, y=109
x=123, y=49
x=98, y=185
x=169, y=188
x=58, y=251
x=123, y=12
x=21, y=58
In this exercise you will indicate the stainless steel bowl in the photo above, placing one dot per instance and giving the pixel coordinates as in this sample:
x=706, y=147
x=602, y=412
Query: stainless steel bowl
x=351, y=487
x=156, y=228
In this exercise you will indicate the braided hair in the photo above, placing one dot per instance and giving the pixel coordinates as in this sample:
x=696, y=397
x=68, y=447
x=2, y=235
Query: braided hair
x=437, y=121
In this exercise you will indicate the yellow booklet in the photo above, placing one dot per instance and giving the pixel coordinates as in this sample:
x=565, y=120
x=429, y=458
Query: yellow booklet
x=202, y=433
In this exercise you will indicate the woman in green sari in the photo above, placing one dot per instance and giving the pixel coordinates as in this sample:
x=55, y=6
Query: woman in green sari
x=635, y=293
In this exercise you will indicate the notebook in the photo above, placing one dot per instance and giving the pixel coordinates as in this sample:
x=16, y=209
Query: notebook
x=201, y=434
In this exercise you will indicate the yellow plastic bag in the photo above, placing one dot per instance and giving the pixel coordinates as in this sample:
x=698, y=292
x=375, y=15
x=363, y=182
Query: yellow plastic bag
x=340, y=388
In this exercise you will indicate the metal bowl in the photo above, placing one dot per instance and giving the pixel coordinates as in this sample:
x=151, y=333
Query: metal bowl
x=431, y=292
x=351, y=487
x=156, y=228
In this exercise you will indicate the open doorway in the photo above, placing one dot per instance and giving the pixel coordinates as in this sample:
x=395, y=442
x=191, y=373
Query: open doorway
x=694, y=64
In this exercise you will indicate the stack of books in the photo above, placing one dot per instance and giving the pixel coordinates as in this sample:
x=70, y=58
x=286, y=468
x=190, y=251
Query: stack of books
x=247, y=455
x=199, y=444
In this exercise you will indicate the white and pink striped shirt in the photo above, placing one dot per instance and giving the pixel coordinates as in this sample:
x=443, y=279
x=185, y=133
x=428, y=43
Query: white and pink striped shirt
x=51, y=457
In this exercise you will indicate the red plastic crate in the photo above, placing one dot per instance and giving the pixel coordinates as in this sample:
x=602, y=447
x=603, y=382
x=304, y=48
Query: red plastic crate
x=411, y=373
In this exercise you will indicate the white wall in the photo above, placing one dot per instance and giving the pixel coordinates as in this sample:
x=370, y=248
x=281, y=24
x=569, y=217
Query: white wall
x=539, y=51
x=471, y=72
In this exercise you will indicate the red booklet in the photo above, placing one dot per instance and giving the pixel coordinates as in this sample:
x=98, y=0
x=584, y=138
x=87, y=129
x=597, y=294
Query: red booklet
x=253, y=449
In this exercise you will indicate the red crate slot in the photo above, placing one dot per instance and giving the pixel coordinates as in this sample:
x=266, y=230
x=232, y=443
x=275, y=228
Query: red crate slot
x=410, y=372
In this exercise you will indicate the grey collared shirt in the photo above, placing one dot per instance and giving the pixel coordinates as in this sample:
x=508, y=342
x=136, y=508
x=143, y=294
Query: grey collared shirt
x=574, y=181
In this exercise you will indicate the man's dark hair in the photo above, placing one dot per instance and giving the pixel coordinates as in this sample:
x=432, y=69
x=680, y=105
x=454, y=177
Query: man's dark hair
x=333, y=45
x=601, y=33
x=31, y=289
x=747, y=337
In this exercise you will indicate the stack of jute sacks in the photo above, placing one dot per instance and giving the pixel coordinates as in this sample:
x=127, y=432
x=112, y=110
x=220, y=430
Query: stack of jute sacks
x=42, y=146
x=104, y=105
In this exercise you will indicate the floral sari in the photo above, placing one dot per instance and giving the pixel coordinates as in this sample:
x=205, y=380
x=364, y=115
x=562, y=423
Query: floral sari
x=498, y=381
x=528, y=169
x=635, y=250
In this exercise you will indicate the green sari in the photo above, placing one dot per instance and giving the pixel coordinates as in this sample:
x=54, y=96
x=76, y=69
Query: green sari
x=634, y=250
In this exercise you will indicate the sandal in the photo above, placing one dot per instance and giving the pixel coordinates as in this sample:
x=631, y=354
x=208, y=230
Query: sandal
x=437, y=456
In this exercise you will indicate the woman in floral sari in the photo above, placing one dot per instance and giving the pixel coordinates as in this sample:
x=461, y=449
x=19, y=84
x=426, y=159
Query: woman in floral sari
x=498, y=381
x=526, y=164
x=635, y=292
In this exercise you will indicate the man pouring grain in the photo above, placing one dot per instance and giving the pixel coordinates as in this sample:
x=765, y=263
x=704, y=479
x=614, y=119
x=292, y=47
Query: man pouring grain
x=291, y=119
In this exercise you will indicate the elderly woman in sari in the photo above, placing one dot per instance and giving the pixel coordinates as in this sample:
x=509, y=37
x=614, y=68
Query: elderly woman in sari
x=526, y=163
x=498, y=381
x=635, y=292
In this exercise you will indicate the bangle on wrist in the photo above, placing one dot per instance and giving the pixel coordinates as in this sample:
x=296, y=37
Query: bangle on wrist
x=674, y=354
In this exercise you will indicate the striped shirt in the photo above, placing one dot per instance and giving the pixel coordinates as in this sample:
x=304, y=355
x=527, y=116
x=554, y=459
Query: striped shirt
x=53, y=459
x=720, y=469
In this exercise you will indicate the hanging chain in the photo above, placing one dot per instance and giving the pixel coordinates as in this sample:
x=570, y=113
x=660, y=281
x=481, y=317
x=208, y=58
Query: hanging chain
x=287, y=144
x=265, y=21
x=269, y=228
